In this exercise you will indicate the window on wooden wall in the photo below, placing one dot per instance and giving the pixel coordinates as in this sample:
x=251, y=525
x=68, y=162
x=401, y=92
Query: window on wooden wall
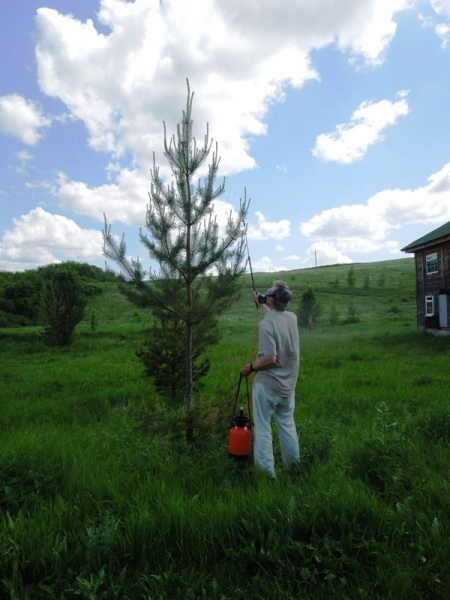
x=429, y=306
x=432, y=263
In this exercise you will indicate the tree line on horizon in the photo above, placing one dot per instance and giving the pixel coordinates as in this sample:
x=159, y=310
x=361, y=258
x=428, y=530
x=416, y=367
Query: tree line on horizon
x=24, y=294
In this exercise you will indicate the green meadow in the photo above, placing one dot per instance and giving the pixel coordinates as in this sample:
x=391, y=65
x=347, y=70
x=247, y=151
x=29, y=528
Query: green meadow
x=101, y=497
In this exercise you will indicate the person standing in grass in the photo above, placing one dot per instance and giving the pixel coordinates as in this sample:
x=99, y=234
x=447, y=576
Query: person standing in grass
x=276, y=370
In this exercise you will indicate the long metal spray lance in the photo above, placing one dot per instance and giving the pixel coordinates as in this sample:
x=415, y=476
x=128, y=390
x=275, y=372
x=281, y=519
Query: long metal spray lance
x=250, y=263
x=255, y=331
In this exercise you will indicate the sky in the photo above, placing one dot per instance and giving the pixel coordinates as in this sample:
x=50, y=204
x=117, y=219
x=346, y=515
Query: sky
x=332, y=116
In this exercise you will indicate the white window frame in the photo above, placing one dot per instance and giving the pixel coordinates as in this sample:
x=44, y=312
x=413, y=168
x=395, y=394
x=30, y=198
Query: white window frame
x=432, y=263
x=429, y=306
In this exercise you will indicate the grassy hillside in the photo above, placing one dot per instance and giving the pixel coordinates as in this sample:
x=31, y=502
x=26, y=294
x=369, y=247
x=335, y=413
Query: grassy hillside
x=102, y=499
x=378, y=287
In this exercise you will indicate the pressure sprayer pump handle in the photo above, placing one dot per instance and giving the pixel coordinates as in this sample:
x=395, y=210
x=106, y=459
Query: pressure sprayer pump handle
x=240, y=420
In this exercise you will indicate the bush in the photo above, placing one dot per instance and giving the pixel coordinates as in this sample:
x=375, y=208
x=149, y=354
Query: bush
x=64, y=307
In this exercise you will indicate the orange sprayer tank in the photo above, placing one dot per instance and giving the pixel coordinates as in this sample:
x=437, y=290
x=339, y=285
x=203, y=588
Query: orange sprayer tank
x=240, y=439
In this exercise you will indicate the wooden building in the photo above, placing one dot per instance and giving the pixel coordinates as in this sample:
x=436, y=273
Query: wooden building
x=432, y=261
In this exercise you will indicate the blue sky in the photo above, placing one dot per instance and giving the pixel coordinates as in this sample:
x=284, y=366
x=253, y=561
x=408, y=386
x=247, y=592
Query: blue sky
x=333, y=115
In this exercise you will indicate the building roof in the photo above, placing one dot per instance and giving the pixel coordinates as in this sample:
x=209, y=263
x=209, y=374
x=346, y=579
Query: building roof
x=427, y=240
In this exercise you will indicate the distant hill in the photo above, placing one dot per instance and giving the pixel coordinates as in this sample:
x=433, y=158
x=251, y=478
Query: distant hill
x=384, y=289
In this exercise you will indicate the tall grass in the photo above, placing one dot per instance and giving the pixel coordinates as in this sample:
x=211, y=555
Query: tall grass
x=101, y=498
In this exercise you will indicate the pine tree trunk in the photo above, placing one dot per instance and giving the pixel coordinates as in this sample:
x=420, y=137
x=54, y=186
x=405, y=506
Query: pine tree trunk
x=189, y=383
x=189, y=386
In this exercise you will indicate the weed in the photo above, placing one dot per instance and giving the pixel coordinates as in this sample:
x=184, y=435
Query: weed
x=101, y=539
x=436, y=426
x=24, y=479
x=91, y=586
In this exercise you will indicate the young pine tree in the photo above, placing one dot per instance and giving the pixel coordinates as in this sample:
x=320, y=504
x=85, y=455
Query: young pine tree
x=310, y=309
x=163, y=354
x=335, y=313
x=184, y=240
x=163, y=351
x=351, y=279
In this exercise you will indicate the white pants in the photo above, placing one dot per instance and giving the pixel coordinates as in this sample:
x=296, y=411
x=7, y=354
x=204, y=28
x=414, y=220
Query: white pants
x=266, y=404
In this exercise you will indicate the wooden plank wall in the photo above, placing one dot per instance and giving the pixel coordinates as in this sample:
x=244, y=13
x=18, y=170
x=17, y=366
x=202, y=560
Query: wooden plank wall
x=432, y=284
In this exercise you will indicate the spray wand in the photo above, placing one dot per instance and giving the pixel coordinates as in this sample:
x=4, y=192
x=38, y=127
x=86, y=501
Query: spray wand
x=250, y=264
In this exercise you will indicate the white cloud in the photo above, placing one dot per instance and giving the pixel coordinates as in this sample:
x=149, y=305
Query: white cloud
x=443, y=32
x=238, y=57
x=371, y=30
x=266, y=230
x=222, y=212
x=365, y=227
x=347, y=222
x=441, y=28
x=22, y=119
x=40, y=237
x=125, y=199
x=292, y=257
x=393, y=247
x=265, y=264
x=441, y=7
x=363, y=28
x=325, y=253
x=350, y=141
x=24, y=158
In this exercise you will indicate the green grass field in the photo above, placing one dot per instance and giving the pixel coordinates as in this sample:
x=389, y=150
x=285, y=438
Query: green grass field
x=101, y=498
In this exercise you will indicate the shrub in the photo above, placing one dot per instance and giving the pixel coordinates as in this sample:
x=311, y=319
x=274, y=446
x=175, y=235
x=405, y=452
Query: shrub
x=64, y=307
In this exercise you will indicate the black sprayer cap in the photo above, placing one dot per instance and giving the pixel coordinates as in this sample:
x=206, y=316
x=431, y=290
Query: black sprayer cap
x=241, y=420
